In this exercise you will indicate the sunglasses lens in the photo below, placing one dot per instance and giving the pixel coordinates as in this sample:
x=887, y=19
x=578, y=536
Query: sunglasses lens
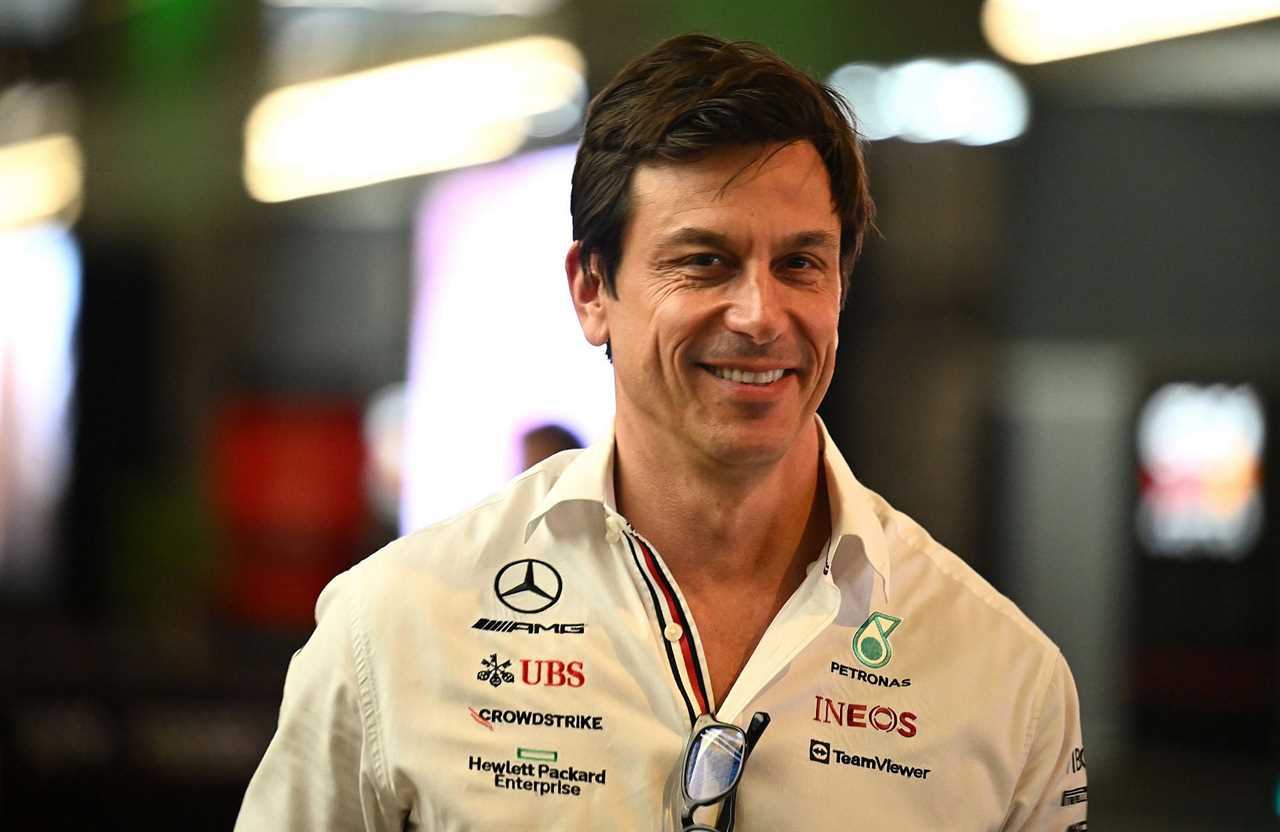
x=715, y=761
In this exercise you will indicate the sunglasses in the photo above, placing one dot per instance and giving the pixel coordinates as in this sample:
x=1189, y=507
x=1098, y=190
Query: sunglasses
x=711, y=768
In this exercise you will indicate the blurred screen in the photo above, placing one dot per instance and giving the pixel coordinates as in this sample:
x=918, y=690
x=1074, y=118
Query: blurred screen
x=39, y=304
x=1200, y=451
x=1207, y=577
x=496, y=354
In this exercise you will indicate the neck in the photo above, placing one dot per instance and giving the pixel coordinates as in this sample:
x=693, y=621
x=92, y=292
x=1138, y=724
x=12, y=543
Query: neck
x=756, y=524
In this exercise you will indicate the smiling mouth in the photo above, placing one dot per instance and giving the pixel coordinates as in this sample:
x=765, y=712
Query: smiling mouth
x=760, y=379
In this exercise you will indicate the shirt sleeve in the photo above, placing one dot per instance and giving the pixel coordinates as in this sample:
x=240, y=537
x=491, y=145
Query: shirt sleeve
x=324, y=767
x=1052, y=792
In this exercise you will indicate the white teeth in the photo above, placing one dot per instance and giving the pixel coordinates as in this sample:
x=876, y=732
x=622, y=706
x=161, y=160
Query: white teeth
x=768, y=377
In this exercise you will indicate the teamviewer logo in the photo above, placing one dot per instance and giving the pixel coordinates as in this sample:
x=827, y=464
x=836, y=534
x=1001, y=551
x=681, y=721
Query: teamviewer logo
x=820, y=752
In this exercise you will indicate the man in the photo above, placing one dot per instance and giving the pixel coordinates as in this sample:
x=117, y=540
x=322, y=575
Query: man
x=538, y=661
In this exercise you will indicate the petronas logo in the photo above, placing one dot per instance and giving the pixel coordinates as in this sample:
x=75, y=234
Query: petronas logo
x=871, y=642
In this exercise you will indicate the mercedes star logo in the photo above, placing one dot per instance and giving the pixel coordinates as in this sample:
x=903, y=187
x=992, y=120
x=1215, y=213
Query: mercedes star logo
x=528, y=585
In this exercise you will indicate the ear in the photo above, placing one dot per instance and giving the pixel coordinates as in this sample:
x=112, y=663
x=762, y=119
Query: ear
x=589, y=296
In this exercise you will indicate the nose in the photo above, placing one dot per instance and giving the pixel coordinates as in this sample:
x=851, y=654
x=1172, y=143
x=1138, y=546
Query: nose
x=755, y=307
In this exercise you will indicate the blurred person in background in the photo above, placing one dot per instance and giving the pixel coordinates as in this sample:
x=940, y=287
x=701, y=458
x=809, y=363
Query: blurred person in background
x=546, y=441
x=541, y=660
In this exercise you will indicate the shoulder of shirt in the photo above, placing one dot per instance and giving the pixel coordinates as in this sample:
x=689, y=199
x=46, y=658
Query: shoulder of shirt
x=914, y=542
x=494, y=525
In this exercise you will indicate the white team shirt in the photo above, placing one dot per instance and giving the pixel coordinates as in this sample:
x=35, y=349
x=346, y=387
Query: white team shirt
x=531, y=665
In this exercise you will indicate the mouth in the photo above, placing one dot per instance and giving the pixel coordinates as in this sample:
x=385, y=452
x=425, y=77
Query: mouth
x=760, y=378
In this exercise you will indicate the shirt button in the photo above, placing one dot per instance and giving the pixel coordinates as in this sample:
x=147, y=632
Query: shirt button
x=613, y=529
x=673, y=632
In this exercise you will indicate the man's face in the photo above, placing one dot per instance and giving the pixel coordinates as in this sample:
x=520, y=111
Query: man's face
x=724, y=328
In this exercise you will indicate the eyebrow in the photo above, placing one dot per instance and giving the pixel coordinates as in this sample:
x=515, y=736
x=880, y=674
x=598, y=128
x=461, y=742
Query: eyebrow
x=692, y=235
x=812, y=239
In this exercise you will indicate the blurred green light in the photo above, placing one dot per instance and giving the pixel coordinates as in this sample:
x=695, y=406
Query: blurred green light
x=173, y=41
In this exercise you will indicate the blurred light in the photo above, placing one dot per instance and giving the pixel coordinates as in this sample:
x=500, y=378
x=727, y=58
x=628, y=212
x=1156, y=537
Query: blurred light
x=39, y=305
x=522, y=8
x=198, y=740
x=862, y=85
x=39, y=179
x=495, y=347
x=915, y=101
x=994, y=106
x=973, y=102
x=407, y=119
x=65, y=734
x=38, y=20
x=314, y=44
x=1035, y=31
x=286, y=483
x=384, y=437
x=1200, y=450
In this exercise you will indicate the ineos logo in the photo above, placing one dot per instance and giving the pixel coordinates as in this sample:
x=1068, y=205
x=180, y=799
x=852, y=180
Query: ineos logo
x=882, y=718
x=528, y=585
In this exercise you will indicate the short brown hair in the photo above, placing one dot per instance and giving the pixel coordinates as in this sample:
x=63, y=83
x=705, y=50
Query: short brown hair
x=689, y=96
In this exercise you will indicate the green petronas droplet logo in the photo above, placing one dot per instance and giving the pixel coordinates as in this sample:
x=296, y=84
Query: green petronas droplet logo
x=871, y=642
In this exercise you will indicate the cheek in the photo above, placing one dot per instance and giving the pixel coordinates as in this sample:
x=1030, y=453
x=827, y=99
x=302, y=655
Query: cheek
x=671, y=327
x=822, y=328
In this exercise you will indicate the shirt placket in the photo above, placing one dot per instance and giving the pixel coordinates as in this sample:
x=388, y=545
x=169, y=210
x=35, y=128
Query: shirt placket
x=674, y=623
x=800, y=621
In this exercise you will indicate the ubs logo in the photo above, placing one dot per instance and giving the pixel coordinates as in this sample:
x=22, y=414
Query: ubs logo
x=528, y=585
x=552, y=673
x=549, y=673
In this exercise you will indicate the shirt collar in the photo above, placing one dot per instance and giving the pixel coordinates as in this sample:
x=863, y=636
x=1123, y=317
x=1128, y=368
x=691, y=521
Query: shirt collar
x=589, y=477
x=853, y=512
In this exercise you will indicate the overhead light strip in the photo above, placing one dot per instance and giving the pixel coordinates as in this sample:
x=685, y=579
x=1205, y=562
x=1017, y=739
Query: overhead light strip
x=40, y=179
x=406, y=119
x=1037, y=31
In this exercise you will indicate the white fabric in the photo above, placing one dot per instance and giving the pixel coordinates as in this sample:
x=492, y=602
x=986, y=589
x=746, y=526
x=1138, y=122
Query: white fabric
x=972, y=723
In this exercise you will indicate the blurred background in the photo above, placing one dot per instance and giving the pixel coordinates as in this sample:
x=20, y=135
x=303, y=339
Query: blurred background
x=281, y=279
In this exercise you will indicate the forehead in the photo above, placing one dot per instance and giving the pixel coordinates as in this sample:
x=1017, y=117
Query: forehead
x=778, y=187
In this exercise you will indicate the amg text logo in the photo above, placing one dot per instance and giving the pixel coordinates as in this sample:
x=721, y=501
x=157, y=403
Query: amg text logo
x=495, y=625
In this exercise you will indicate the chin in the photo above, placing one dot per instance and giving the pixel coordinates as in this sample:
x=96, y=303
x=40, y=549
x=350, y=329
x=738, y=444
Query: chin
x=747, y=447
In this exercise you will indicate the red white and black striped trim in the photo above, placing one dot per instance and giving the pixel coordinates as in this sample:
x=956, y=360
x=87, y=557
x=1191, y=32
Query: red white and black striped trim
x=686, y=664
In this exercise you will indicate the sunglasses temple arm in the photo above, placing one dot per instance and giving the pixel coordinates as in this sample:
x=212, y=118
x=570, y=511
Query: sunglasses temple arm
x=724, y=823
x=759, y=722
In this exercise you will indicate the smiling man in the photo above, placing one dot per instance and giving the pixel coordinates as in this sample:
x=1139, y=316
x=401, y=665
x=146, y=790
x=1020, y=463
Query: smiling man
x=540, y=661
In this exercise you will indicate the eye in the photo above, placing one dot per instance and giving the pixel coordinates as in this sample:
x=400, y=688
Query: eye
x=705, y=260
x=706, y=266
x=802, y=265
